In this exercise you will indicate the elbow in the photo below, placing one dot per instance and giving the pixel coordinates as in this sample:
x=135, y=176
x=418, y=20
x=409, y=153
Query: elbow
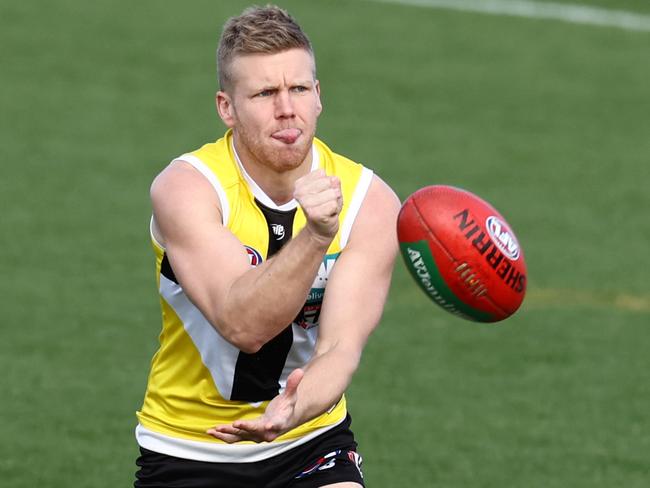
x=246, y=342
x=238, y=332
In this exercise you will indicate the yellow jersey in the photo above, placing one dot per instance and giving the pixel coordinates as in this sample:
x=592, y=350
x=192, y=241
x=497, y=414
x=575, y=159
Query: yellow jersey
x=197, y=378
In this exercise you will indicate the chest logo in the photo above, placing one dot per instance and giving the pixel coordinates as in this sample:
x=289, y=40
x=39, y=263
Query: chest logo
x=278, y=231
x=309, y=316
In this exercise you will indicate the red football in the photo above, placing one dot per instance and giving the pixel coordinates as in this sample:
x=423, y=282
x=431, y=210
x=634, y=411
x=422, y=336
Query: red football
x=462, y=253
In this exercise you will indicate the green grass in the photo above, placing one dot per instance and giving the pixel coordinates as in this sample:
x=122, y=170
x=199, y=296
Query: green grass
x=546, y=120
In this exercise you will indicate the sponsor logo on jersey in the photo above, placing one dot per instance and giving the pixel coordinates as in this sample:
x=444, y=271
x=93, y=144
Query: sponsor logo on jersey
x=254, y=256
x=278, y=231
x=324, y=270
x=309, y=315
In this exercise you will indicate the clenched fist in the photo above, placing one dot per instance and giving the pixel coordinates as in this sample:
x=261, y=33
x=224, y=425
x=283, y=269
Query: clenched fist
x=320, y=198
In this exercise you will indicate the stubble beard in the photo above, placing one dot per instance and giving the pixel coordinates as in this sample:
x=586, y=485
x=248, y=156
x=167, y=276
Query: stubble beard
x=278, y=158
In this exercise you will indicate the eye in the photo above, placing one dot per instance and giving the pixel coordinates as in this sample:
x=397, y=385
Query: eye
x=299, y=89
x=265, y=93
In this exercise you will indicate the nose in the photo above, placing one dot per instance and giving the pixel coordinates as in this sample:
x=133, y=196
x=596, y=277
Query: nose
x=283, y=104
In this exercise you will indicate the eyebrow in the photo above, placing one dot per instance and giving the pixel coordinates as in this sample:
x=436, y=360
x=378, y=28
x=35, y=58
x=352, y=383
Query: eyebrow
x=276, y=87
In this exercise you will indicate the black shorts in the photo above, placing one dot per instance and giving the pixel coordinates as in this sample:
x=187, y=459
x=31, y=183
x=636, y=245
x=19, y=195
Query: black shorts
x=327, y=459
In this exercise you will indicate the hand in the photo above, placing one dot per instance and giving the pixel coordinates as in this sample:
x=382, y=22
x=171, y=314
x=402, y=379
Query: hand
x=320, y=198
x=278, y=418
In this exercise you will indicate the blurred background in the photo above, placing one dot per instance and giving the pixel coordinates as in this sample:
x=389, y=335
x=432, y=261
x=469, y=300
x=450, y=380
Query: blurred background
x=547, y=119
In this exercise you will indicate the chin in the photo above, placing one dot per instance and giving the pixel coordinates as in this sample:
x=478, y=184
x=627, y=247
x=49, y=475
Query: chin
x=287, y=162
x=289, y=158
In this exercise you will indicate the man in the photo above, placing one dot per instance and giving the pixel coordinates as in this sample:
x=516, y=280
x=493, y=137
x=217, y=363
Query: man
x=274, y=258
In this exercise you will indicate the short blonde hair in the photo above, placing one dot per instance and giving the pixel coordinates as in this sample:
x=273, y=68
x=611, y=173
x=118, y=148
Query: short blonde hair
x=258, y=30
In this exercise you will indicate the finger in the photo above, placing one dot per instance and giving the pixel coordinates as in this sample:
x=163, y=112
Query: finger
x=315, y=175
x=227, y=429
x=255, y=431
x=249, y=426
x=303, y=190
x=335, y=182
x=316, y=199
x=242, y=430
x=228, y=438
x=229, y=435
x=328, y=210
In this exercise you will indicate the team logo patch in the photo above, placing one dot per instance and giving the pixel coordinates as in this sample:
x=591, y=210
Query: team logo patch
x=254, y=256
x=308, y=316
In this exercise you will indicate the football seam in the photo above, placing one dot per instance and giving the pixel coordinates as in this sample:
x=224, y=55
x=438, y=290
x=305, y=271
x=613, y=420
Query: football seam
x=433, y=236
x=450, y=256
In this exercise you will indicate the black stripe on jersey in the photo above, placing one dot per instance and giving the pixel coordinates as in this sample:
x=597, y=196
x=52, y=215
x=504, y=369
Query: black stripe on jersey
x=166, y=269
x=257, y=376
x=280, y=226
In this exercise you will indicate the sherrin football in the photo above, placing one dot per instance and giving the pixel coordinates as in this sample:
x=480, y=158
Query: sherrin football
x=462, y=253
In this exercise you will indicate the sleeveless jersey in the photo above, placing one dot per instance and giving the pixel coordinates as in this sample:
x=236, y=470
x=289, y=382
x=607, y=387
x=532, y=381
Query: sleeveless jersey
x=198, y=379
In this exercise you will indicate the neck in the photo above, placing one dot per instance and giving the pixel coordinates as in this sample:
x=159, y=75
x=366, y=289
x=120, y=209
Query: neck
x=277, y=186
x=277, y=183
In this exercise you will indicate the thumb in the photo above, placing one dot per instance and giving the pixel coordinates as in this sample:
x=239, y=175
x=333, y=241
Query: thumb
x=293, y=381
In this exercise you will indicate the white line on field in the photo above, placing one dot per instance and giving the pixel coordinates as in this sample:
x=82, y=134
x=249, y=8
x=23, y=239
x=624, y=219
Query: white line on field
x=573, y=13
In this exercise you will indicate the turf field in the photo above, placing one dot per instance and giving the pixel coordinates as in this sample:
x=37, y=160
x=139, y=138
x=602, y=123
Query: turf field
x=548, y=120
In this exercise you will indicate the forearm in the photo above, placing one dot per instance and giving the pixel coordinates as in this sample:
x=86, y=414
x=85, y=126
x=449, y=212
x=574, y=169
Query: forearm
x=263, y=301
x=320, y=389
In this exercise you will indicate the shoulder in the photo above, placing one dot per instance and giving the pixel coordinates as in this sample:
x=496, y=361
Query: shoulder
x=212, y=163
x=375, y=228
x=180, y=194
x=177, y=182
x=198, y=174
x=381, y=204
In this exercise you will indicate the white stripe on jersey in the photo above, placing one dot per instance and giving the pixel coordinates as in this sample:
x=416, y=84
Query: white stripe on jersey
x=218, y=355
x=300, y=353
x=214, y=452
x=212, y=178
x=355, y=204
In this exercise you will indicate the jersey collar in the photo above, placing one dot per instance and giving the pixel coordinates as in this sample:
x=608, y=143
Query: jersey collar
x=258, y=193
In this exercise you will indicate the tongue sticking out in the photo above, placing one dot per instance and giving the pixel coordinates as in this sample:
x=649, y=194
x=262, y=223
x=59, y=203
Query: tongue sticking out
x=288, y=136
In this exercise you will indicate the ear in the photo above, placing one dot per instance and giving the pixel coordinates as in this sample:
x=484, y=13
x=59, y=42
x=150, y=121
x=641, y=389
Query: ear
x=319, y=105
x=225, y=108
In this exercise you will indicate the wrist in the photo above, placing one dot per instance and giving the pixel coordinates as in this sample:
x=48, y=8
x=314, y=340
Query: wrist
x=321, y=241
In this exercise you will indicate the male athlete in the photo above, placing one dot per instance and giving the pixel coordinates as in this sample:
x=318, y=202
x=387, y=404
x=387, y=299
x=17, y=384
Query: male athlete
x=274, y=257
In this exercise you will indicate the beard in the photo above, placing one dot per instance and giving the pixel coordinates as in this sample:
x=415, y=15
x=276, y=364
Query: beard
x=264, y=151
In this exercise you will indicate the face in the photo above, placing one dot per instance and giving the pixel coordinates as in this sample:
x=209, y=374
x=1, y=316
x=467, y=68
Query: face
x=272, y=108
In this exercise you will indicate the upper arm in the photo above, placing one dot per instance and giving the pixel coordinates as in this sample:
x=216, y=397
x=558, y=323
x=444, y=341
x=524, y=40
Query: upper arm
x=358, y=285
x=205, y=256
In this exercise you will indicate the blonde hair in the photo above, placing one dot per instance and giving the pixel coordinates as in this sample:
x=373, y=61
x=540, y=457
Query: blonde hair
x=258, y=30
